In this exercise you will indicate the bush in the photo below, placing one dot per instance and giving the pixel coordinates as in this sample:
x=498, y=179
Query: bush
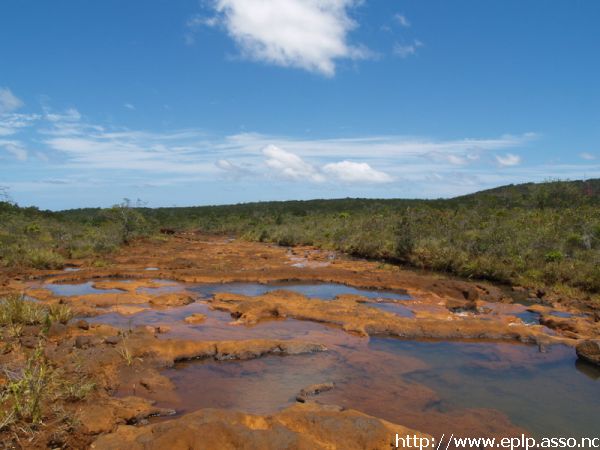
x=44, y=259
x=15, y=309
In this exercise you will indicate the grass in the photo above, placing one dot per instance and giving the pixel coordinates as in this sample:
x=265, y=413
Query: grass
x=34, y=390
x=60, y=313
x=16, y=310
x=124, y=352
x=28, y=389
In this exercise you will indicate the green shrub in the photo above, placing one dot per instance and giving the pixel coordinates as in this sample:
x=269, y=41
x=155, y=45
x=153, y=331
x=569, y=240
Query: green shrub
x=44, y=259
x=553, y=256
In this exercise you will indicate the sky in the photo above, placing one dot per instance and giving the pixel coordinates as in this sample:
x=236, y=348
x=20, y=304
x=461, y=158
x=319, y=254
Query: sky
x=195, y=102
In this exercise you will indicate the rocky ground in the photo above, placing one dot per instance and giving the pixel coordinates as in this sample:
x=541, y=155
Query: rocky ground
x=92, y=361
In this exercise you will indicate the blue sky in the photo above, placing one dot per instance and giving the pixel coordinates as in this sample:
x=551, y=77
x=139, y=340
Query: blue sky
x=186, y=102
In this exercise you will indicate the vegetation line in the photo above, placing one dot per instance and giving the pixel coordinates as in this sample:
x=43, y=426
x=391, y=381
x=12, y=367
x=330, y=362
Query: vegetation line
x=531, y=234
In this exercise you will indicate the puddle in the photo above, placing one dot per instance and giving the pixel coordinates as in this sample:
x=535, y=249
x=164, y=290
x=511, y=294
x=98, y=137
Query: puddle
x=71, y=269
x=67, y=290
x=529, y=317
x=549, y=394
x=565, y=315
x=324, y=291
x=151, y=268
x=433, y=387
x=462, y=387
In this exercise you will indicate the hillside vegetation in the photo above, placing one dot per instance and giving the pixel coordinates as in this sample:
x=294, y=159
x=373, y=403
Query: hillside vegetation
x=536, y=234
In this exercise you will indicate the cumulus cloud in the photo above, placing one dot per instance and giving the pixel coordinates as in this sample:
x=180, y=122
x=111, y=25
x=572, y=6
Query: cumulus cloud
x=353, y=172
x=406, y=50
x=508, y=160
x=305, y=34
x=290, y=165
x=8, y=101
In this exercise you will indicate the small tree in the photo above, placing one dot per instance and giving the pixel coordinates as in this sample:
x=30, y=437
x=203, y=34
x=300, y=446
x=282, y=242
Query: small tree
x=131, y=222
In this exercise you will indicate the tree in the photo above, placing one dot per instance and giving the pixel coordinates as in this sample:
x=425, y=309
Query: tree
x=131, y=221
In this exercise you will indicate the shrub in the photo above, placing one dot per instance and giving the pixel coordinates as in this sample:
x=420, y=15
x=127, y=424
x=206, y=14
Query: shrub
x=44, y=259
x=15, y=309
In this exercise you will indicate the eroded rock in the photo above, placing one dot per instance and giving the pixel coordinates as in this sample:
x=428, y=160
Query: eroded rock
x=195, y=319
x=589, y=350
x=306, y=426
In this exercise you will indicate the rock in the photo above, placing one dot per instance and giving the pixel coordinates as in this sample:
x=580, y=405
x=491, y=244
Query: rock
x=106, y=415
x=180, y=350
x=29, y=341
x=589, y=351
x=82, y=324
x=83, y=341
x=195, y=318
x=112, y=340
x=302, y=426
x=172, y=299
x=312, y=390
x=57, y=329
x=150, y=329
x=456, y=305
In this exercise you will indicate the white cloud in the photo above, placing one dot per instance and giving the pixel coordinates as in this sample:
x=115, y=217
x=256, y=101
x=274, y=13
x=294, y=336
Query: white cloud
x=291, y=166
x=129, y=106
x=508, y=160
x=402, y=20
x=406, y=50
x=353, y=172
x=65, y=141
x=70, y=115
x=8, y=101
x=587, y=156
x=13, y=122
x=15, y=148
x=457, y=160
x=195, y=23
x=397, y=148
x=232, y=170
x=306, y=34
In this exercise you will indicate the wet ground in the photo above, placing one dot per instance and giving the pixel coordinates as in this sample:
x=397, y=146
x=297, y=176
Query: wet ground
x=420, y=384
x=471, y=387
